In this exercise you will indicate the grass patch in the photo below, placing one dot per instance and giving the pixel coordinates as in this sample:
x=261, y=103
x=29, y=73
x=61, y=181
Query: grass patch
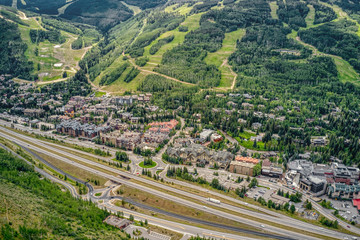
x=173, y=207
x=183, y=10
x=346, y=72
x=134, y=8
x=310, y=18
x=246, y=135
x=22, y=207
x=192, y=22
x=100, y=94
x=48, y=55
x=274, y=7
x=147, y=166
x=72, y=170
x=228, y=47
x=167, y=232
x=219, y=57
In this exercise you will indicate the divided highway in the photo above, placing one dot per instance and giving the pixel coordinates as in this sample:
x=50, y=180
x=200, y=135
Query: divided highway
x=286, y=221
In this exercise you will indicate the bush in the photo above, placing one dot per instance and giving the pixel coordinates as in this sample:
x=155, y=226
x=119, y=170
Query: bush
x=141, y=61
x=183, y=28
x=131, y=75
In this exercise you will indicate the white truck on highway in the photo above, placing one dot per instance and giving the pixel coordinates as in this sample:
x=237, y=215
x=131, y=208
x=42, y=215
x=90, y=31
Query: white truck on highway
x=213, y=200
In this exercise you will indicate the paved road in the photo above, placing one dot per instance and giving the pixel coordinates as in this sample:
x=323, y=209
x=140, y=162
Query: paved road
x=182, y=201
x=181, y=228
x=107, y=198
x=70, y=187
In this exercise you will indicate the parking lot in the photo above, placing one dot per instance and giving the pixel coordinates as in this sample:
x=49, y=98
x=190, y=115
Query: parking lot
x=259, y=192
x=225, y=178
x=346, y=210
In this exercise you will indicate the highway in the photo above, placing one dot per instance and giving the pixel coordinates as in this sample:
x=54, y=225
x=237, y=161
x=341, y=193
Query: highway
x=106, y=198
x=70, y=187
x=187, y=230
x=119, y=180
x=289, y=222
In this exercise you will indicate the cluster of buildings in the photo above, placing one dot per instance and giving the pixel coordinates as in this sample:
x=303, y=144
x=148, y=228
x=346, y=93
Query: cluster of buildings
x=199, y=154
x=123, y=138
x=74, y=128
x=245, y=166
x=336, y=180
x=162, y=127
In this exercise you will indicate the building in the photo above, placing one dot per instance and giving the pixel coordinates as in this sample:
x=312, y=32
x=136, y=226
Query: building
x=196, y=153
x=243, y=168
x=34, y=112
x=127, y=140
x=205, y=134
x=256, y=125
x=216, y=137
x=246, y=159
x=247, y=106
x=117, y=222
x=343, y=191
x=313, y=184
x=356, y=203
x=164, y=127
x=125, y=100
x=76, y=129
x=272, y=171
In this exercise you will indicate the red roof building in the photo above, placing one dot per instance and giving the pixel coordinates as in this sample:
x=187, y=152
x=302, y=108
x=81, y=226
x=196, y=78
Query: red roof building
x=247, y=159
x=356, y=203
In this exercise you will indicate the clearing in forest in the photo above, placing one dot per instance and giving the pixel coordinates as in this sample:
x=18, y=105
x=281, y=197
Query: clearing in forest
x=274, y=7
x=192, y=22
x=50, y=60
x=219, y=58
x=183, y=10
x=310, y=18
x=346, y=72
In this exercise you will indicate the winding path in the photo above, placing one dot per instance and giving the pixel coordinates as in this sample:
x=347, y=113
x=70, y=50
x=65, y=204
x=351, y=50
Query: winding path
x=131, y=60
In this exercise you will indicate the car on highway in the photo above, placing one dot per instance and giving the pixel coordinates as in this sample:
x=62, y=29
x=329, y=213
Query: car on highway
x=348, y=226
x=262, y=226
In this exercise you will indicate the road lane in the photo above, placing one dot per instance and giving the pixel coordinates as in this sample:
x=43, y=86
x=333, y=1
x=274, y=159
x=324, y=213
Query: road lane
x=298, y=224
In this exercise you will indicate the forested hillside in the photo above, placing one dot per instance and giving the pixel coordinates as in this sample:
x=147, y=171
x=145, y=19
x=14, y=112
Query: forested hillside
x=12, y=52
x=42, y=210
x=302, y=54
x=296, y=54
x=103, y=14
x=42, y=47
x=176, y=39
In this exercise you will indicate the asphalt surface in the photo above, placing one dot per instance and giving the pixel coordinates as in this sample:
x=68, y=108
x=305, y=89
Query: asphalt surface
x=70, y=187
x=303, y=225
x=105, y=196
x=245, y=220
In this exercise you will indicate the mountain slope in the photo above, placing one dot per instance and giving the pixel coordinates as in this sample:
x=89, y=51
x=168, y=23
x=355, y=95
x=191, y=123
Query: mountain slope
x=251, y=36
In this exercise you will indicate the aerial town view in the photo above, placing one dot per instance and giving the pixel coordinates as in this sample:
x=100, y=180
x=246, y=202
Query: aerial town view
x=179, y=119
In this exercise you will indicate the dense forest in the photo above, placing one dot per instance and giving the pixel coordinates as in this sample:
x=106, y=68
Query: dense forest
x=103, y=14
x=53, y=36
x=323, y=13
x=337, y=38
x=12, y=52
x=293, y=13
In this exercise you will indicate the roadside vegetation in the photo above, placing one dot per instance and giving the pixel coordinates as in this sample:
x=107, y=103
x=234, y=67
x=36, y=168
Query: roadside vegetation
x=62, y=216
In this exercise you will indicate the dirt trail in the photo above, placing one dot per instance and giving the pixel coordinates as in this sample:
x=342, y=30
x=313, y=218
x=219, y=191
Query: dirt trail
x=315, y=50
x=226, y=64
x=131, y=60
